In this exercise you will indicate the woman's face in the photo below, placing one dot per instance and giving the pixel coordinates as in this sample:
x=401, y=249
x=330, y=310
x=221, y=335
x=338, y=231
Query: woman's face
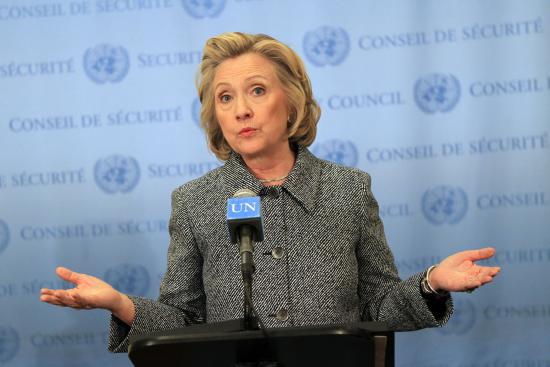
x=251, y=106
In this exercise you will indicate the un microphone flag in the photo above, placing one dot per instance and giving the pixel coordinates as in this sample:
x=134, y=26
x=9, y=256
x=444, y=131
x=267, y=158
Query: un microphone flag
x=244, y=211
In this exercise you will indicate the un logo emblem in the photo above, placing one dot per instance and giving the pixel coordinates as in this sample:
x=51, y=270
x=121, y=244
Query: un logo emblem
x=204, y=8
x=9, y=343
x=326, y=46
x=337, y=151
x=4, y=235
x=437, y=92
x=116, y=173
x=196, y=112
x=105, y=63
x=128, y=278
x=462, y=320
x=444, y=204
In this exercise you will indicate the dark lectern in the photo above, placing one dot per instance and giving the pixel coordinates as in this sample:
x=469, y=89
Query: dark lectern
x=228, y=344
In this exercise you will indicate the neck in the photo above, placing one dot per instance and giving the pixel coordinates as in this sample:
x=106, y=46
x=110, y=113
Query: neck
x=270, y=167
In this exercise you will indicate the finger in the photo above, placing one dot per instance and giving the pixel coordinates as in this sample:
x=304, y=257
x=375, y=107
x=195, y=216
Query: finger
x=81, y=302
x=46, y=291
x=488, y=271
x=52, y=300
x=484, y=275
x=489, y=276
x=78, y=301
x=472, y=282
x=475, y=255
x=65, y=297
x=484, y=253
x=63, y=303
x=68, y=275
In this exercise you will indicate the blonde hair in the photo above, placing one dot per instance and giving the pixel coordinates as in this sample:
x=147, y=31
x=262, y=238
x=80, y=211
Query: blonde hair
x=290, y=69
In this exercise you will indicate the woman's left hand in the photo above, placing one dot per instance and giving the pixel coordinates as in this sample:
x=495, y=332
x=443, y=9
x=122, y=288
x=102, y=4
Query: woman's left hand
x=459, y=272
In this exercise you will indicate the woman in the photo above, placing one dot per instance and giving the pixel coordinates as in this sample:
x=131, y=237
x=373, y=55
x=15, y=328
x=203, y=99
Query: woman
x=324, y=258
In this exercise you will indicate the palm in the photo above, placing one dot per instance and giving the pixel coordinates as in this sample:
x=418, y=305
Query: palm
x=459, y=272
x=90, y=292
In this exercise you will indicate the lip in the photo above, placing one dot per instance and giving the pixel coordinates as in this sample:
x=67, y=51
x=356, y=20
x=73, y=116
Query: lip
x=247, y=131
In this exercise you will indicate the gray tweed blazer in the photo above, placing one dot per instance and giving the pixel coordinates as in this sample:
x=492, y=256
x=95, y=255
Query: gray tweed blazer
x=324, y=258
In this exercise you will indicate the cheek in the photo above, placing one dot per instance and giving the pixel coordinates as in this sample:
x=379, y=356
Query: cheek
x=218, y=112
x=279, y=117
x=222, y=118
x=280, y=107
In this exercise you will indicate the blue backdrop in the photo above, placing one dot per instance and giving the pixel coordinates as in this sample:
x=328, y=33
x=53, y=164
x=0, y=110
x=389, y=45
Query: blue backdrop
x=445, y=103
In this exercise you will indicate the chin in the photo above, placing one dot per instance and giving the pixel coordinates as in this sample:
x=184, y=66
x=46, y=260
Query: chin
x=249, y=153
x=249, y=149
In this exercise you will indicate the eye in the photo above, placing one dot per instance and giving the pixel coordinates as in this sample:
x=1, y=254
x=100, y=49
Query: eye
x=258, y=91
x=225, y=98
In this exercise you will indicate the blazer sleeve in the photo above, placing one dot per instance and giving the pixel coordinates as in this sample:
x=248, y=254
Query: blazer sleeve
x=181, y=301
x=383, y=295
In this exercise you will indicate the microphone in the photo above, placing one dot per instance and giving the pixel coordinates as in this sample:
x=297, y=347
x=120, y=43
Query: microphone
x=244, y=209
x=244, y=222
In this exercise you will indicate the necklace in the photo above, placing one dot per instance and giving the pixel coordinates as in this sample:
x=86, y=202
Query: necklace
x=264, y=180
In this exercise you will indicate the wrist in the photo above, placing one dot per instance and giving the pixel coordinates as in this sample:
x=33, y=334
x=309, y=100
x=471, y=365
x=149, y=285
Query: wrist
x=123, y=308
x=427, y=286
x=117, y=303
x=431, y=279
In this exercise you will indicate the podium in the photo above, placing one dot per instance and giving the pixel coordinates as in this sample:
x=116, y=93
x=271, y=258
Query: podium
x=228, y=344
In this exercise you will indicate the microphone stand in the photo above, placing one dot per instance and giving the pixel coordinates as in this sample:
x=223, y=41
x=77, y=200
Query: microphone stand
x=246, y=250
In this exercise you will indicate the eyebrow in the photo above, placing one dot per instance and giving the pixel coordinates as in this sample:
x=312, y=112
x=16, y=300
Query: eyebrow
x=250, y=77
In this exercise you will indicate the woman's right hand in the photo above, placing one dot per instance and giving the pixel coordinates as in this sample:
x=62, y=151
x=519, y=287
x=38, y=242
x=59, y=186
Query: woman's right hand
x=90, y=292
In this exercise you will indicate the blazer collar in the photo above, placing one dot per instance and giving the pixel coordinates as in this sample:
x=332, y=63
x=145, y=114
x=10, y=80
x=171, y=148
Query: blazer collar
x=302, y=183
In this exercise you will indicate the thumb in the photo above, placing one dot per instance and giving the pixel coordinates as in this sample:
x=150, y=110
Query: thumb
x=68, y=275
x=474, y=255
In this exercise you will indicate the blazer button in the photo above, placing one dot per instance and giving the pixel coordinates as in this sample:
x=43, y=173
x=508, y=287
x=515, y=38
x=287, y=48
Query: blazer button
x=282, y=314
x=277, y=252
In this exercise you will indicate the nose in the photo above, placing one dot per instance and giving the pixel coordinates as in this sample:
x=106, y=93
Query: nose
x=243, y=112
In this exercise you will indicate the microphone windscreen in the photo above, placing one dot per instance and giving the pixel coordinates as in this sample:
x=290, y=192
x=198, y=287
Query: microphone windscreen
x=244, y=208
